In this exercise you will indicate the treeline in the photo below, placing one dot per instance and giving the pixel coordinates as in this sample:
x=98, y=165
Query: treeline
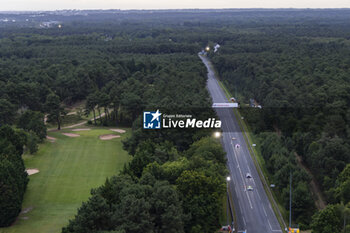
x=28, y=132
x=301, y=79
x=13, y=177
x=281, y=163
x=55, y=70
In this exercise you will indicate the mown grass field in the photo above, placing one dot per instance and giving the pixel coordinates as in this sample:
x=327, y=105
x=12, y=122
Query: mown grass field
x=69, y=168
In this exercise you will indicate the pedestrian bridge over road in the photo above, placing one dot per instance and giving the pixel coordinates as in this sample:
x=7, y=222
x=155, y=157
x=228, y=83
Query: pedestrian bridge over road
x=225, y=105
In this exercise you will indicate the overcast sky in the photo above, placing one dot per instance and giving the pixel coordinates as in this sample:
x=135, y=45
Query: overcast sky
x=18, y=5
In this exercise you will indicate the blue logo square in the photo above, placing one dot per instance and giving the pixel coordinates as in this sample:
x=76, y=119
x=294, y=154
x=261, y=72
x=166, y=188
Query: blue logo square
x=151, y=120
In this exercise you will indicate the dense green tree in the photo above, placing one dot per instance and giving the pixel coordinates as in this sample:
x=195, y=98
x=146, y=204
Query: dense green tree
x=13, y=178
x=114, y=95
x=53, y=107
x=10, y=198
x=303, y=204
x=201, y=195
x=341, y=192
x=104, y=102
x=32, y=142
x=90, y=105
x=124, y=205
x=327, y=220
x=281, y=163
x=7, y=114
x=209, y=149
x=149, y=152
x=132, y=103
x=345, y=191
x=33, y=121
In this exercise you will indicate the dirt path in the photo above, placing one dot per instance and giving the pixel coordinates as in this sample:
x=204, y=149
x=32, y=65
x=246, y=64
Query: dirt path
x=76, y=125
x=315, y=189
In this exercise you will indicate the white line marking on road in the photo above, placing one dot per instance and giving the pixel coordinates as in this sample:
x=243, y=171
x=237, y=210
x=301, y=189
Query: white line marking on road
x=239, y=168
x=253, y=180
x=264, y=211
x=258, y=195
x=240, y=171
x=250, y=203
x=269, y=224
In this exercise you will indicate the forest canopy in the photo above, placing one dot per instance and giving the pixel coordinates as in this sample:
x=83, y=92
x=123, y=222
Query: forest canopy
x=294, y=63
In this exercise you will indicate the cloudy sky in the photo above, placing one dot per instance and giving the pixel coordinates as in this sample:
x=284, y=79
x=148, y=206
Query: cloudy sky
x=17, y=5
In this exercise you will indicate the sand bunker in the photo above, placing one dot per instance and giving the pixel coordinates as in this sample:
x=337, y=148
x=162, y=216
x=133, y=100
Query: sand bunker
x=71, y=134
x=109, y=136
x=32, y=171
x=82, y=129
x=51, y=139
x=118, y=130
x=26, y=210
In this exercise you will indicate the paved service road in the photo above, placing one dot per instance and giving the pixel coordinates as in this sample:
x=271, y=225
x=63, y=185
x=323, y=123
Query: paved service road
x=253, y=209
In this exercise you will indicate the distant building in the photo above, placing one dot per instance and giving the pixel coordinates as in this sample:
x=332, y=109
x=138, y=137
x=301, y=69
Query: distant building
x=49, y=24
x=216, y=47
x=254, y=104
x=107, y=38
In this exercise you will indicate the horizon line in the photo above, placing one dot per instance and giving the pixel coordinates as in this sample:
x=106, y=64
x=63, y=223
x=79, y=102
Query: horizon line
x=174, y=9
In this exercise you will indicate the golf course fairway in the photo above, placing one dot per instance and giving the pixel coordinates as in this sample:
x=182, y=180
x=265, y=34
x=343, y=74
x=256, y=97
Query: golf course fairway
x=68, y=168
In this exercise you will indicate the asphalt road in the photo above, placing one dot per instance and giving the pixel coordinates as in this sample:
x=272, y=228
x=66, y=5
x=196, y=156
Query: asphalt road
x=253, y=209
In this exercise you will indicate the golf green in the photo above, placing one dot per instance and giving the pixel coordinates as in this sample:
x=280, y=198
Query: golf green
x=68, y=168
